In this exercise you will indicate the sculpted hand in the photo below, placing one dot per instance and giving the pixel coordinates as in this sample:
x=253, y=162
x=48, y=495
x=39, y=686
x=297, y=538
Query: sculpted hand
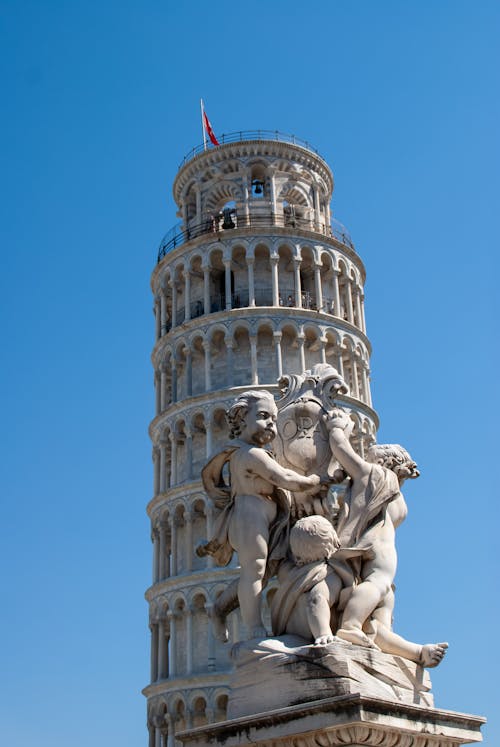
x=339, y=418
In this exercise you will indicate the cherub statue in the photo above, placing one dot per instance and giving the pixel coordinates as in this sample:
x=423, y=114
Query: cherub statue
x=311, y=585
x=255, y=517
x=367, y=522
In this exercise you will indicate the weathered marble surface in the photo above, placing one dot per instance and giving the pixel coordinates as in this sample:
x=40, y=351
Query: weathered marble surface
x=286, y=671
x=345, y=720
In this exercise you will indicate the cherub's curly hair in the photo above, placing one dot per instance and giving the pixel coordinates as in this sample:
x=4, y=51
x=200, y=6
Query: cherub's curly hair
x=392, y=455
x=236, y=414
x=313, y=538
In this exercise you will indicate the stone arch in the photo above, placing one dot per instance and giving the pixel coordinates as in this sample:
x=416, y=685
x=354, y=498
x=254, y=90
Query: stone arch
x=198, y=709
x=222, y=192
x=220, y=700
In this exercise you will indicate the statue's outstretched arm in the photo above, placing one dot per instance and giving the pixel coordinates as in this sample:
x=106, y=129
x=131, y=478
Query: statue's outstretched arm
x=266, y=467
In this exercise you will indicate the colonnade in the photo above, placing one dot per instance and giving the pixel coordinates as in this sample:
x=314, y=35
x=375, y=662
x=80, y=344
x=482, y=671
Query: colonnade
x=240, y=353
x=310, y=277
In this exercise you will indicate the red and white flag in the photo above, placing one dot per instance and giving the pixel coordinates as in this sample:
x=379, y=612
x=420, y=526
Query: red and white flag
x=207, y=128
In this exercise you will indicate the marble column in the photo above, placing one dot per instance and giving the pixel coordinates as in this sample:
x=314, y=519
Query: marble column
x=363, y=321
x=173, y=459
x=163, y=467
x=211, y=663
x=163, y=549
x=229, y=361
x=227, y=268
x=156, y=470
x=163, y=313
x=173, y=377
x=188, y=518
x=189, y=371
x=279, y=359
x=317, y=286
x=359, y=317
x=206, y=290
x=272, y=188
x=350, y=316
x=322, y=349
x=173, y=643
x=246, y=194
x=187, y=295
x=163, y=387
x=302, y=357
x=340, y=364
x=206, y=350
x=155, y=536
x=188, y=614
x=174, y=302
x=298, y=285
x=336, y=293
x=251, y=282
x=157, y=393
x=317, y=212
x=274, y=279
x=355, y=382
x=173, y=543
x=208, y=438
x=253, y=359
x=154, y=651
x=162, y=650
x=157, y=313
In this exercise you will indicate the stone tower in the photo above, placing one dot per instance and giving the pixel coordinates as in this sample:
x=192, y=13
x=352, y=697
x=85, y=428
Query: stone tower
x=256, y=281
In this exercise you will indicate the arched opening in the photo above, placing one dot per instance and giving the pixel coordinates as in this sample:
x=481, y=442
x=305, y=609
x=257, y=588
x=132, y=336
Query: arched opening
x=290, y=349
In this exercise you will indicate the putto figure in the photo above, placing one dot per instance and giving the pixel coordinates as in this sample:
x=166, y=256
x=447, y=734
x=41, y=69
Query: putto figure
x=254, y=520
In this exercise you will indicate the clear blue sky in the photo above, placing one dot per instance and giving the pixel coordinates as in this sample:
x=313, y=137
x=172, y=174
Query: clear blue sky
x=100, y=101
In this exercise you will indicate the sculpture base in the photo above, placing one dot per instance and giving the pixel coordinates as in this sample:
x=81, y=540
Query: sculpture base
x=286, y=671
x=352, y=720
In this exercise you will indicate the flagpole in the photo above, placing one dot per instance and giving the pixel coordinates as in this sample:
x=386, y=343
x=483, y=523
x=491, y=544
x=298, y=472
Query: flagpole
x=203, y=125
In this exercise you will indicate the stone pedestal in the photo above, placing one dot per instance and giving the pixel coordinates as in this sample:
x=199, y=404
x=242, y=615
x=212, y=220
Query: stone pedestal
x=285, y=692
x=286, y=670
x=352, y=720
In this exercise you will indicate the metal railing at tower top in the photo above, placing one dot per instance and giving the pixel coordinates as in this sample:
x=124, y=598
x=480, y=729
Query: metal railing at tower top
x=236, y=137
x=230, y=220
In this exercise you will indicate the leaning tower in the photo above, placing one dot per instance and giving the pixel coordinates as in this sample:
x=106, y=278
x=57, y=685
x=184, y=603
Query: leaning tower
x=257, y=280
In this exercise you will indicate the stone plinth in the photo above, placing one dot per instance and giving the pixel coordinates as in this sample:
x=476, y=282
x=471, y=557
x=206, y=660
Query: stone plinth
x=353, y=720
x=286, y=671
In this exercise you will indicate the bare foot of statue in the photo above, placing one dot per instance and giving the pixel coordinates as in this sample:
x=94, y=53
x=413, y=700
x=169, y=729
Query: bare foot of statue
x=432, y=654
x=324, y=640
x=356, y=635
x=218, y=625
